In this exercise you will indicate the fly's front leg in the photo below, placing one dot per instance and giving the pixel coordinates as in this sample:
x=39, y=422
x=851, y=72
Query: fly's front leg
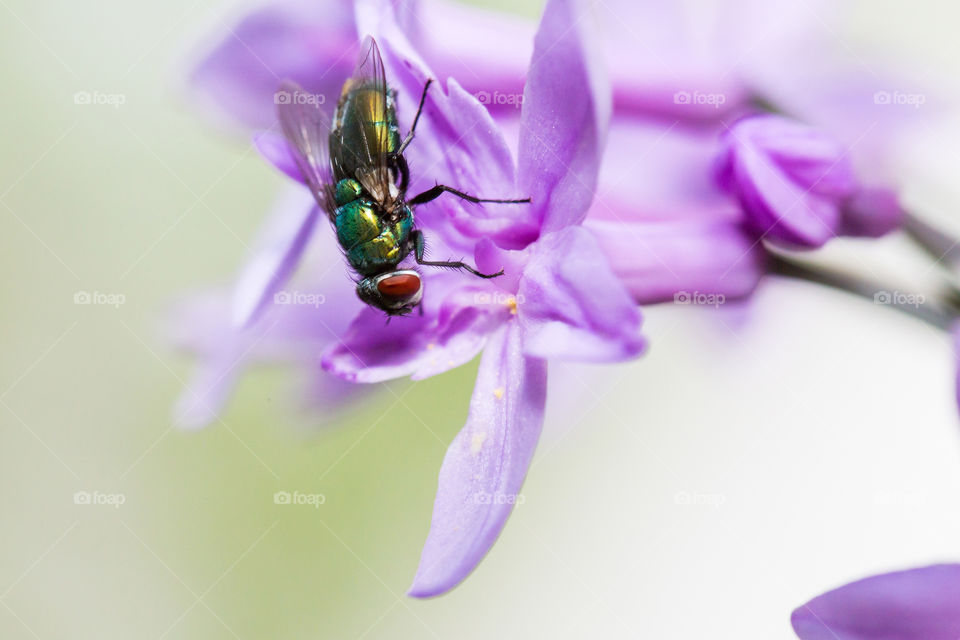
x=416, y=119
x=435, y=192
x=416, y=236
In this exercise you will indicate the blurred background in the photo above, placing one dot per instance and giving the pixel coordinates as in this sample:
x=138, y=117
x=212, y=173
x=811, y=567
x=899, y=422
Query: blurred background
x=756, y=457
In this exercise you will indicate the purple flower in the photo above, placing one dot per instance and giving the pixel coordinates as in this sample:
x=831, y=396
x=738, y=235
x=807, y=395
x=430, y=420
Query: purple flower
x=315, y=42
x=557, y=299
x=794, y=182
x=918, y=604
x=662, y=222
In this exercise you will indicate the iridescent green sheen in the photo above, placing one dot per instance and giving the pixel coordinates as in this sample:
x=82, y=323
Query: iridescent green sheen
x=347, y=190
x=373, y=244
x=388, y=245
x=366, y=127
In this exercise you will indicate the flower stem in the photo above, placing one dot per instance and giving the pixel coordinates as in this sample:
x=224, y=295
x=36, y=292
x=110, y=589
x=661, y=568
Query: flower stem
x=936, y=243
x=939, y=314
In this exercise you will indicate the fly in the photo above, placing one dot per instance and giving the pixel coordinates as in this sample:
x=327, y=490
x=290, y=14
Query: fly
x=357, y=172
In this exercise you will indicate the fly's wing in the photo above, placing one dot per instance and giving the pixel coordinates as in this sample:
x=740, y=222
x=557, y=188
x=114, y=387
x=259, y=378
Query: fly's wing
x=306, y=127
x=361, y=140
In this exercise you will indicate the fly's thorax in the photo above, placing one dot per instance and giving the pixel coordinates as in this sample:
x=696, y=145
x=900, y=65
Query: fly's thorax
x=373, y=240
x=357, y=221
x=394, y=292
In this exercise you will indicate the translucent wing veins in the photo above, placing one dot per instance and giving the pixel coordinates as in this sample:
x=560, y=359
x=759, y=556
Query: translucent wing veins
x=306, y=128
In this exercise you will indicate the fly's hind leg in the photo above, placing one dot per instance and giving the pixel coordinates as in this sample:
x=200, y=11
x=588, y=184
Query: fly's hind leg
x=435, y=192
x=416, y=236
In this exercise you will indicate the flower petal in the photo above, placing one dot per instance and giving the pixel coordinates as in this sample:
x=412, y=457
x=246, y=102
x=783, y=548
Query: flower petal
x=485, y=465
x=455, y=39
x=919, y=604
x=282, y=242
x=312, y=43
x=296, y=329
x=450, y=333
x=705, y=252
x=276, y=150
x=566, y=109
x=571, y=305
x=458, y=144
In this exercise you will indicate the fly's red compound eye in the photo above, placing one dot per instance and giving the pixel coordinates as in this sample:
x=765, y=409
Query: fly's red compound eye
x=399, y=286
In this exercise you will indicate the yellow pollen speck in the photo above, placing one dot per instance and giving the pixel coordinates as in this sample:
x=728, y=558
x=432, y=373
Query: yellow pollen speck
x=476, y=442
x=432, y=345
x=512, y=304
x=498, y=393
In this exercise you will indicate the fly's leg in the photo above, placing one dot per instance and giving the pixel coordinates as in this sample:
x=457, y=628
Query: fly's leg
x=403, y=169
x=419, y=245
x=416, y=119
x=435, y=192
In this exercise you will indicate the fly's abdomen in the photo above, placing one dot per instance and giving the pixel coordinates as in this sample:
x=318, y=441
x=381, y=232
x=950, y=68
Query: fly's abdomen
x=365, y=127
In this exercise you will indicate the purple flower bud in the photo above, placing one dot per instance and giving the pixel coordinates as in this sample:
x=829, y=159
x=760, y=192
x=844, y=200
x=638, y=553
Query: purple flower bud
x=871, y=213
x=792, y=180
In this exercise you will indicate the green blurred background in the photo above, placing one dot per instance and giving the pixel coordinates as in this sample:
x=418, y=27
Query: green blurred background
x=145, y=201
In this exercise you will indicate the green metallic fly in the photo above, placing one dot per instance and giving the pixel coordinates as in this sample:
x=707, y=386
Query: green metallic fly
x=359, y=176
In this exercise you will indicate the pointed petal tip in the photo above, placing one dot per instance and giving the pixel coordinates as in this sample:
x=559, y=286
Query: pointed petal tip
x=805, y=625
x=424, y=590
